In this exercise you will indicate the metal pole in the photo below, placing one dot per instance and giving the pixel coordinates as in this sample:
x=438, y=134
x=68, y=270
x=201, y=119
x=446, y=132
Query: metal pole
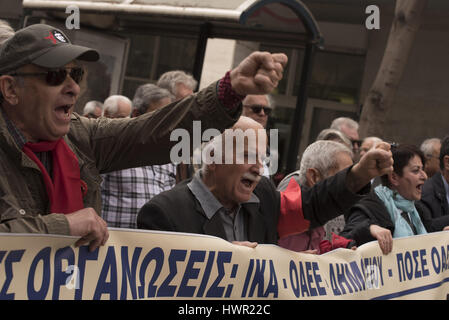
x=300, y=110
x=201, y=51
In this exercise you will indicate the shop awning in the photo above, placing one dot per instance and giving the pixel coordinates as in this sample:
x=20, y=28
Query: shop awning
x=279, y=20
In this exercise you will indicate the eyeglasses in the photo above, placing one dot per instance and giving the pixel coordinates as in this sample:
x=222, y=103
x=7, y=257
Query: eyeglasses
x=258, y=108
x=58, y=76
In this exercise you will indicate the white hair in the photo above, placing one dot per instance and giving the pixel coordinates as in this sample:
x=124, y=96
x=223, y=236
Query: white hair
x=169, y=79
x=428, y=146
x=338, y=123
x=147, y=94
x=334, y=135
x=232, y=142
x=90, y=106
x=110, y=105
x=321, y=155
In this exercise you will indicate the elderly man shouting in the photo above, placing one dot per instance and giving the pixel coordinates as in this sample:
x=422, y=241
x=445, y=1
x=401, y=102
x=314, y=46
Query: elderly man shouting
x=230, y=199
x=51, y=158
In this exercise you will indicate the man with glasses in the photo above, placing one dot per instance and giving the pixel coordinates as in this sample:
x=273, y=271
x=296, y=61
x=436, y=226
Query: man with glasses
x=258, y=108
x=51, y=158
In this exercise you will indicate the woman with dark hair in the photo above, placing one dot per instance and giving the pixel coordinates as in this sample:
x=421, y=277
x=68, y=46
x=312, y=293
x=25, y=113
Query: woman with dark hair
x=390, y=210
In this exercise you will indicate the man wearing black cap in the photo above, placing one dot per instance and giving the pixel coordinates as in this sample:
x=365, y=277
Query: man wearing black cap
x=51, y=158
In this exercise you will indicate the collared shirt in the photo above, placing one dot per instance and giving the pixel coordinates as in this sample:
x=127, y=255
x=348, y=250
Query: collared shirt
x=124, y=192
x=446, y=187
x=233, y=220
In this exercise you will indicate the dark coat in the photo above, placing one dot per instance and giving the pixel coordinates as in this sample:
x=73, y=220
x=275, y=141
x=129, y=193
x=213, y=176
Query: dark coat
x=179, y=210
x=371, y=210
x=434, y=199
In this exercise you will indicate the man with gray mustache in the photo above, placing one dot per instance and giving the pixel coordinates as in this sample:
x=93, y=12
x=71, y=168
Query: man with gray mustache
x=232, y=201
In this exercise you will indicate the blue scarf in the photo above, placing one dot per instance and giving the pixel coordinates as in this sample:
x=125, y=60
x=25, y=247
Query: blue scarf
x=396, y=203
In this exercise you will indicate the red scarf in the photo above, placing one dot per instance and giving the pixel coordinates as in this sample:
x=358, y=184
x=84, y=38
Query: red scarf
x=291, y=220
x=64, y=192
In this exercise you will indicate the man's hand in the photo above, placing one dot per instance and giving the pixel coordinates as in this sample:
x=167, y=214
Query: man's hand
x=92, y=229
x=376, y=162
x=248, y=244
x=314, y=251
x=259, y=73
x=383, y=236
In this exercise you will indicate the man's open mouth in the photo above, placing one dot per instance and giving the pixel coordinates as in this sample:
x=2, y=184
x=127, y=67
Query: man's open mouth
x=64, y=108
x=250, y=180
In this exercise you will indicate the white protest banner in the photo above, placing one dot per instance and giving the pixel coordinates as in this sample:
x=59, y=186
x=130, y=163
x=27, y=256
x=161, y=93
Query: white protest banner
x=138, y=264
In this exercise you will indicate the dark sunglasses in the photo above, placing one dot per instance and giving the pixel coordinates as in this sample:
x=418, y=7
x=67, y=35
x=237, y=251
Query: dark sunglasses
x=57, y=76
x=257, y=109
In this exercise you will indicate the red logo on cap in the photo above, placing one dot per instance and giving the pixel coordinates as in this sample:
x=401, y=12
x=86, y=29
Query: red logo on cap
x=51, y=37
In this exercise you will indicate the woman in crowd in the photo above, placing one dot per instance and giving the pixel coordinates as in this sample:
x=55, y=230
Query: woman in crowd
x=391, y=210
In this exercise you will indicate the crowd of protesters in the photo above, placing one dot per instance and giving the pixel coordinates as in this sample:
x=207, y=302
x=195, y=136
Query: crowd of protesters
x=63, y=173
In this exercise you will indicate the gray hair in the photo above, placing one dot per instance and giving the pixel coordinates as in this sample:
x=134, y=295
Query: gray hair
x=338, y=123
x=147, y=94
x=428, y=146
x=270, y=100
x=169, y=79
x=90, y=106
x=6, y=31
x=334, y=135
x=110, y=105
x=321, y=155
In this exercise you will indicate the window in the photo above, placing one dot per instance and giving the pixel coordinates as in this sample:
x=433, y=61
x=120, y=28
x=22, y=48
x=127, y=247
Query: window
x=333, y=91
x=151, y=56
x=335, y=77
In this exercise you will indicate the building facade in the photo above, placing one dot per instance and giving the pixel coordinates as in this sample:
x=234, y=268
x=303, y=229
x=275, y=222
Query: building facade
x=343, y=69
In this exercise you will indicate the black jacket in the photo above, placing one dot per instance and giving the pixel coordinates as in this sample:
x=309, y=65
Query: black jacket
x=371, y=210
x=434, y=199
x=179, y=210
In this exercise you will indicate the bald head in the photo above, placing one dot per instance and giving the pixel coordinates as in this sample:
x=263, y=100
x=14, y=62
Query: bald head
x=244, y=142
x=245, y=123
x=235, y=167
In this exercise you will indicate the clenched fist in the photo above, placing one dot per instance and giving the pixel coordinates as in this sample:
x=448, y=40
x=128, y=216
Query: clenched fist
x=375, y=163
x=259, y=73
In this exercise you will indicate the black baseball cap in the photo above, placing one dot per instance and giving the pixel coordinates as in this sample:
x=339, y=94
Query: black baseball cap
x=42, y=45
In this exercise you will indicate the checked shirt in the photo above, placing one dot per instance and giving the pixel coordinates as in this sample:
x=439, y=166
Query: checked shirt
x=124, y=192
